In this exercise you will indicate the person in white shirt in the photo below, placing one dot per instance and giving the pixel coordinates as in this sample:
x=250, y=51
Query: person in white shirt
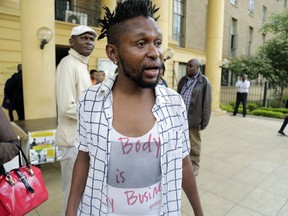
x=242, y=86
x=72, y=77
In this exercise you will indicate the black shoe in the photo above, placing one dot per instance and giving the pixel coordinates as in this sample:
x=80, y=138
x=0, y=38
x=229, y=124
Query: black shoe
x=244, y=116
x=233, y=114
x=282, y=133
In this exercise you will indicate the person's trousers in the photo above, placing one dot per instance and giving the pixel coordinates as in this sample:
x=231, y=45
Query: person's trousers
x=20, y=111
x=241, y=97
x=195, y=143
x=11, y=117
x=67, y=161
x=285, y=122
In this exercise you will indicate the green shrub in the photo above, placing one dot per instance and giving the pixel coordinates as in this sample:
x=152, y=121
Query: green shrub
x=228, y=108
x=252, y=106
x=254, y=109
x=267, y=113
x=282, y=110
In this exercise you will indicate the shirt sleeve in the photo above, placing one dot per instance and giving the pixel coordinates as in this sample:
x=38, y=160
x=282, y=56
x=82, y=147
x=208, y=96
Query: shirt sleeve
x=238, y=84
x=81, y=136
x=185, y=131
x=66, y=90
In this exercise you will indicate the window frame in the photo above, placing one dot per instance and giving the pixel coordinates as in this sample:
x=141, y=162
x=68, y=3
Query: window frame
x=178, y=33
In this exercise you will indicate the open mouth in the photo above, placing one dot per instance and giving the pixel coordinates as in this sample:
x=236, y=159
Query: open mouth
x=152, y=72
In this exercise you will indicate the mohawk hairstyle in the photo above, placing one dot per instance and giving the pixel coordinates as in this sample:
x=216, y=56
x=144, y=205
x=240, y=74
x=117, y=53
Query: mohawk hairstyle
x=124, y=11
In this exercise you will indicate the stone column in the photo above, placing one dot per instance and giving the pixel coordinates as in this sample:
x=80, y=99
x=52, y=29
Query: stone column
x=38, y=64
x=214, y=44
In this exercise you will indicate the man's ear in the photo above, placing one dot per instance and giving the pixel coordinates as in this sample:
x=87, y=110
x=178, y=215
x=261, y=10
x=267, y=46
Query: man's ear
x=71, y=42
x=112, y=53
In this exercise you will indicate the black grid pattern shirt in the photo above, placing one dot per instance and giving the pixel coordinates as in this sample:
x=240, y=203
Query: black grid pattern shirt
x=95, y=116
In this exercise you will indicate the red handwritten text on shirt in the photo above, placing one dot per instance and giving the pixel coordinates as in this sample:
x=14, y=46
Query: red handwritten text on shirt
x=141, y=198
x=128, y=147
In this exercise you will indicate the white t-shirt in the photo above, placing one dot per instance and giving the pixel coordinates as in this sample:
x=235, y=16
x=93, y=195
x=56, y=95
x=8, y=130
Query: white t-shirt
x=134, y=175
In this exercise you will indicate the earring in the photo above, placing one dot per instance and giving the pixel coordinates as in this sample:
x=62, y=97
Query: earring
x=115, y=63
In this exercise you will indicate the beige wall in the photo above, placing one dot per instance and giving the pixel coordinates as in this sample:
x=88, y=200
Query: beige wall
x=10, y=48
x=240, y=12
x=196, y=24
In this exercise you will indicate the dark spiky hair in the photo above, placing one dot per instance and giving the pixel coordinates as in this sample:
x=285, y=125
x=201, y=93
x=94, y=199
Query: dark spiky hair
x=124, y=11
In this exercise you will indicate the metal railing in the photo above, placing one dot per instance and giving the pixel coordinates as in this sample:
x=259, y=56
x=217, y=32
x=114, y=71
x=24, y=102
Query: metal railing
x=259, y=93
x=66, y=12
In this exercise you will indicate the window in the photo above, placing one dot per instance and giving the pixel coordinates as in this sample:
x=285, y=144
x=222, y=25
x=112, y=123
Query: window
x=264, y=14
x=250, y=39
x=224, y=76
x=251, y=6
x=178, y=22
x=233, y=2
x=182, y=70
x=60, y=7
x=233, y=38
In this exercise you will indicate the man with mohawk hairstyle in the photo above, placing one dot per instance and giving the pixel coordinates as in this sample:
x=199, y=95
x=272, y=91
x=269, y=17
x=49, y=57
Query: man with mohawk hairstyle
x=133, y=136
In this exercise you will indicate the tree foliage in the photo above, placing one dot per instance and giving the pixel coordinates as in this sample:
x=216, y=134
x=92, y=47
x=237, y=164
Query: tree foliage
x=277, y=24
x=271, y=60
x=250, y=65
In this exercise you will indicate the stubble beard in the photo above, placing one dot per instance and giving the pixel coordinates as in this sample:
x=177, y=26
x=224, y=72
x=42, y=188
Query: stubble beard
x=138, y=78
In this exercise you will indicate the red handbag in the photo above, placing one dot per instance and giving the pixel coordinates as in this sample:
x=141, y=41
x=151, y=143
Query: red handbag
x=22, y=189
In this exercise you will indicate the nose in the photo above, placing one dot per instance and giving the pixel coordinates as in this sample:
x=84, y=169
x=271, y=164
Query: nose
x=154, y=52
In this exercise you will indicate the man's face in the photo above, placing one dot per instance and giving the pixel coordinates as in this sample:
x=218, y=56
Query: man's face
x=100, y=76
x=191, y=69
x=83, y=44
x=140, y=52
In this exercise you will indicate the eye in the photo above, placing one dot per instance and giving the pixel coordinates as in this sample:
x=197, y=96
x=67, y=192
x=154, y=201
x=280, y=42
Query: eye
x=141, y=44
x=158, y=43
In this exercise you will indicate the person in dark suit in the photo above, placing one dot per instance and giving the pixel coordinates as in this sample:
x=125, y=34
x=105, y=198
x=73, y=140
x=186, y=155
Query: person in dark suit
x=285, y=122
x=195, y=89
x=13, y=95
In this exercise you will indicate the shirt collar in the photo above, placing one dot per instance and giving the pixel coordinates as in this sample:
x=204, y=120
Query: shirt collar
x=194, y=77
x=81, y=58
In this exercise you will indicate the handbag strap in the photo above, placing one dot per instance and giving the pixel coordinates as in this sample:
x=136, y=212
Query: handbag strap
x=21, y=154
x=23, y=178
x=17, y=143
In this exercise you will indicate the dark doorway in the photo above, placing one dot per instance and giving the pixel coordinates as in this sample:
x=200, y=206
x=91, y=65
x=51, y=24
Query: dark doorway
x=61, y=52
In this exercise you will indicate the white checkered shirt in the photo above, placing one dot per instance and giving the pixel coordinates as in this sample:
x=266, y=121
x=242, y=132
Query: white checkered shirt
x=95, y=116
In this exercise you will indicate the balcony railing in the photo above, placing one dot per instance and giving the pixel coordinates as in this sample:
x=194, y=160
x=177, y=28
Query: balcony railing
x=74, y=14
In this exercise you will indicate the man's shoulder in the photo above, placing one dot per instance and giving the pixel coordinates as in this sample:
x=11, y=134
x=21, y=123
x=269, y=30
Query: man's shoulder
x=204, y=78
x=165, y=90
x=168, y=94
x=65, y=59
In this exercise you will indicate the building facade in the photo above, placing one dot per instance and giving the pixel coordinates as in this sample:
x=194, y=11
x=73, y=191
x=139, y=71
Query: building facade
x=210, y=30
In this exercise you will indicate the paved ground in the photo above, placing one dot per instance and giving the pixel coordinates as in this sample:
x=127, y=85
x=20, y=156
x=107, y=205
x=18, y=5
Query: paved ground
x=244, y=170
